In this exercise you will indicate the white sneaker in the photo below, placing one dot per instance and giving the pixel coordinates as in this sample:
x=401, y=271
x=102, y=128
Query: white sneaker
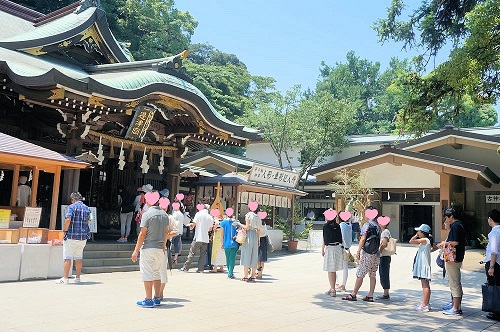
x=77, y=280
x=63, y=281
x=423, y=308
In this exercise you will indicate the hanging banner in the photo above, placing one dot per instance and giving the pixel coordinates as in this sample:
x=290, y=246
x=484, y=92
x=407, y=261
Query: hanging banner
x=244, y=197
x=272, y=200
x=273, y=176
x=140, y=123
x=265, y=199
x=251, y=197
x=258, y=198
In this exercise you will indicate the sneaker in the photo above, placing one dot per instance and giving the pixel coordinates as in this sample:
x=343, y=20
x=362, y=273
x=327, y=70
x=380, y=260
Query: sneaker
x=199, y=271
x=182, y=269
x=447, y=306
x=231, y=276
x=62, y=281
x=383, y=297
x=120, y=240
x=78, y=280
x=146, y=303
x=157, y=301
x=421, y=308
x=452, y=312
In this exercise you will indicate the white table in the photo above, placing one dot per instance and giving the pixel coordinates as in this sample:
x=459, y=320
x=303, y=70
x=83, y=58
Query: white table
x=56, y=262
x=34, y=261
x=10, y=256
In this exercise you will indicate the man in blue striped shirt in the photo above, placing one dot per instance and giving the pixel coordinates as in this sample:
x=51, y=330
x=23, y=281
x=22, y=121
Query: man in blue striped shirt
x=76, y=233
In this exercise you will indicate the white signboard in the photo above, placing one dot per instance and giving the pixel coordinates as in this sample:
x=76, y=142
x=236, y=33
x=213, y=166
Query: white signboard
x=32, y=217
x=93, y=217
x=492, y=199
x=273, y=176
x=316, y=238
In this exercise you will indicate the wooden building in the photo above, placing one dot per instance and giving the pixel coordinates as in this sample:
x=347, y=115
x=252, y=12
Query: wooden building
x=68, y=85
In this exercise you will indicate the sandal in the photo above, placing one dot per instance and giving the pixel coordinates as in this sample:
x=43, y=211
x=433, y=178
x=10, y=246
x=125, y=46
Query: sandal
x=244, y=279
x=350, y=297
x=340, y=288
x=368, y=298
x=251, y=279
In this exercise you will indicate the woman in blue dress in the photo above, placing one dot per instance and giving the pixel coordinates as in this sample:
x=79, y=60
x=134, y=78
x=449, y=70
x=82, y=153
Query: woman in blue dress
x=249, y=249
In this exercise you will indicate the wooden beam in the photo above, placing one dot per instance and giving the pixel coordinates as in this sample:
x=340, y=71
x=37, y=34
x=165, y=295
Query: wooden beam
x=15, y=183
x=34, y=186
x=55, y=196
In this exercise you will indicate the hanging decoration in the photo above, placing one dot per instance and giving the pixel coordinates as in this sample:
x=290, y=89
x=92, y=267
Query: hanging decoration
x=121, y=159
x=30, y=176
x=405, y=195
x=144, y=164
x=423, y=193
x=161, y=166
x=100, y=154
x=388, y=196
x=1, y=175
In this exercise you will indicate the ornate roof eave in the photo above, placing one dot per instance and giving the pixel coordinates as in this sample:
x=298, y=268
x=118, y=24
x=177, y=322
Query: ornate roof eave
x=43, y=35
x=17, y=67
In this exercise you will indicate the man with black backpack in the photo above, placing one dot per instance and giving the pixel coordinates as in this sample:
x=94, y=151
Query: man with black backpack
x=126, y=202
x=368, y=255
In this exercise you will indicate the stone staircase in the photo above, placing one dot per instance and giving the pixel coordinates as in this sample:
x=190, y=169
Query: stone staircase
x=111, y=256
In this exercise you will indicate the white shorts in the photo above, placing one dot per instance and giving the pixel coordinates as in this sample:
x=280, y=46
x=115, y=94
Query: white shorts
x=164, y=268
x=73, y=249
x=150, y=263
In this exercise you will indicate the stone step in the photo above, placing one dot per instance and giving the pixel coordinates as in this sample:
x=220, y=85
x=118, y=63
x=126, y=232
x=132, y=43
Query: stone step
x=109, y=262
x=107, y=254
x=109, y=269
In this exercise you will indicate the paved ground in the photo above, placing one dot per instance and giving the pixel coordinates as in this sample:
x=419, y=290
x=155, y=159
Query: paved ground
x=289, y=298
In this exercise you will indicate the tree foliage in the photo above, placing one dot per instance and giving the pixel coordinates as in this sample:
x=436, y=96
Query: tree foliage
x=471, y=72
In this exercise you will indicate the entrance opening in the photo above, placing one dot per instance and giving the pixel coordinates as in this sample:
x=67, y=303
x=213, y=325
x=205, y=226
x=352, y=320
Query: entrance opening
x=413, y=216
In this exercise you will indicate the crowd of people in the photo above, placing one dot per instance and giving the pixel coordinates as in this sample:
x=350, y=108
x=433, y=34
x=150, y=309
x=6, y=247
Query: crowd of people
x=372, y=257
x=160, y=230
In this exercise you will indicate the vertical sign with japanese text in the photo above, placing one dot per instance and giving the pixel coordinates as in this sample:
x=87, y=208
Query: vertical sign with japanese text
x=140, y=123
x=32, y=217
x=4, y=218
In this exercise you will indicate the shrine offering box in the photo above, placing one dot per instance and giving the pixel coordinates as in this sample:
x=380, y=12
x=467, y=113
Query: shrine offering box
x=33, y=235
x=9, y=236
x=55, y=237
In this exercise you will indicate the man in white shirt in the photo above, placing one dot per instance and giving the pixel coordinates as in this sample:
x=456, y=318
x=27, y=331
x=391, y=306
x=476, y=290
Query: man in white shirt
x=203, y=222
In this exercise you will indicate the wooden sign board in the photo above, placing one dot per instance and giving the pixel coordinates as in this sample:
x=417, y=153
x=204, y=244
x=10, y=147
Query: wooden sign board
x=140, y=123
x=273, y=176
x=32, y=217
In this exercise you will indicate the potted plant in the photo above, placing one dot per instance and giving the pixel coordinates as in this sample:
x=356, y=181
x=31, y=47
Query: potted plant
x=289, y=228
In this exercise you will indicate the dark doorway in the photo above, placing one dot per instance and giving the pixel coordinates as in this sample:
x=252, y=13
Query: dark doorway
x=413, y=216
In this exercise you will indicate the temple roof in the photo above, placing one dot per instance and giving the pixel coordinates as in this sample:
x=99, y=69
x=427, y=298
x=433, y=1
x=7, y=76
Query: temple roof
x=69, y=60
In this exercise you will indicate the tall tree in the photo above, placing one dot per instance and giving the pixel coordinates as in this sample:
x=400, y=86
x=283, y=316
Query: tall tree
x=472, y=69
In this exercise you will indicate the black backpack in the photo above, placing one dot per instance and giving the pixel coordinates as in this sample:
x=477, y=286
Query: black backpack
x=127, y=202
x=372, y=242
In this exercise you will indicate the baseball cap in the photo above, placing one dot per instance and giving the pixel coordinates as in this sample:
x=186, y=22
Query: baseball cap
x=423, y=228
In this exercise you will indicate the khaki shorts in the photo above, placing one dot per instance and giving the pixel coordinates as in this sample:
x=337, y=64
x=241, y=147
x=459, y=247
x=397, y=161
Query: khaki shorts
x=164, y=268
x=150, y=263
x=454, y=278
x=73, y=249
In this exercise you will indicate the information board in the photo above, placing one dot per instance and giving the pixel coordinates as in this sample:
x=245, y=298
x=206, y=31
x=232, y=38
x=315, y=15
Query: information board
x=93, y=217
x=32, y=217
x=4, y=218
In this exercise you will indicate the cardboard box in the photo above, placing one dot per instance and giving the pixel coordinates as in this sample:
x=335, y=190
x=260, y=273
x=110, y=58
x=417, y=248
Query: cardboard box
x=55, y=237
x=33, y=235
x=9, y=236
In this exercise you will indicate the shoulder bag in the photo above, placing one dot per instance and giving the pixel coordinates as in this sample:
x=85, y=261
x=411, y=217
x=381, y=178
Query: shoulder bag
x=390, y=249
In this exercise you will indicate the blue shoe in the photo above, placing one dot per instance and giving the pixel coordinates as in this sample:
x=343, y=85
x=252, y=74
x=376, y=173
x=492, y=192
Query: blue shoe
x=447, y=306
x=146, y=303
x=231, y=276
x=452, y=312
x=157, y=301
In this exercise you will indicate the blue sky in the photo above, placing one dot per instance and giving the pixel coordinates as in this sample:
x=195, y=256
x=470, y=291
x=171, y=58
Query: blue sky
x=288, y=40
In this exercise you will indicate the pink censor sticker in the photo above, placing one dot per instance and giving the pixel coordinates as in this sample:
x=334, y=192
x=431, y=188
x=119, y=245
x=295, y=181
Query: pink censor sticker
x=200, y=207
x=253, y=206
x=371, y=214
x=262, y=214
x=179, y=197
x=164, y=202
x=176, y=205
x=345, y=215
x=152, y=197
x=330, y=214
x=229, y=212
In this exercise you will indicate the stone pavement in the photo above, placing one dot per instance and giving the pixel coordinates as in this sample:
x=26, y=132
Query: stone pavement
x=290, y=297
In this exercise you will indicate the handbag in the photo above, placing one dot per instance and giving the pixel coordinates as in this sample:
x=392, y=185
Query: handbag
x=449, y=253
x=390, y=249
x=439, y=259
x=241, y=235
x=346, y=255
x=491, y=298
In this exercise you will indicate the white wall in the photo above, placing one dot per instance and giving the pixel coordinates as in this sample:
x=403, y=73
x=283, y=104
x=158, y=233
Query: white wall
x=389, y=176
x=471, y=154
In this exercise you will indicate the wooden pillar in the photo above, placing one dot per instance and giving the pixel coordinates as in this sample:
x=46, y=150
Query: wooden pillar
x=55, y=196
x=71, y=183
x=34, y=186
x=444, y=196
x=15, y=183
x=237, y=204
x=173, y=173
